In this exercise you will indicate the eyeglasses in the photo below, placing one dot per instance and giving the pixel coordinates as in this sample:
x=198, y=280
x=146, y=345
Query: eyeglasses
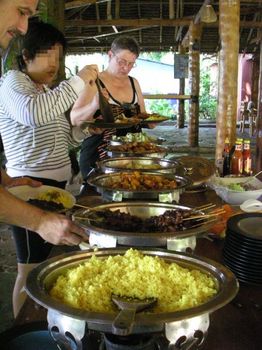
x=124, y=63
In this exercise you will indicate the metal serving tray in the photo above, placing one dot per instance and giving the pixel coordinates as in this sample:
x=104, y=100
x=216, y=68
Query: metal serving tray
x=43, y=276
x=145, y=164
x=118, y=194
x=144, y=210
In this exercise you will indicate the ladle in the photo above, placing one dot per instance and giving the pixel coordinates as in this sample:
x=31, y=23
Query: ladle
x=123, y=323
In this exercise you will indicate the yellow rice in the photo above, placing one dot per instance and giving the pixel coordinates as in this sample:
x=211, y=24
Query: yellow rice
x=90, y=285
x=57, y=197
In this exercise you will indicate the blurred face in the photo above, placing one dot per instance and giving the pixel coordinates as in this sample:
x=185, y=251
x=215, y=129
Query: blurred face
x=44, y=67
x=122, y=61
x=14, y=16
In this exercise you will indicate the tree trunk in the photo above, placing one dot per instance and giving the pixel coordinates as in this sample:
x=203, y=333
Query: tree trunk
x=229, y=14
x=193, y=77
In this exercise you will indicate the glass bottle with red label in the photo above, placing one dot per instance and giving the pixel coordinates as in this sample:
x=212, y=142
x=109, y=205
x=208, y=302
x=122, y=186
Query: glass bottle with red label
x=247, y=158
x=237, y=159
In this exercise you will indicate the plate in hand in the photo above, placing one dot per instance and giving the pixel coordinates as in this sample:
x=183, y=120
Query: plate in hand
x=27, y=192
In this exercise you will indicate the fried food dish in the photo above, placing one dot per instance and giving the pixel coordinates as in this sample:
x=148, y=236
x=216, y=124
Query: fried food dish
x=152, y=117
x=136, y=181
x=137, y=147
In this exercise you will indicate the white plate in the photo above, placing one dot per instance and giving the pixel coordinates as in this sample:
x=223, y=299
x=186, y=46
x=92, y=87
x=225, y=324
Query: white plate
x=27, y=192
x=251, y=205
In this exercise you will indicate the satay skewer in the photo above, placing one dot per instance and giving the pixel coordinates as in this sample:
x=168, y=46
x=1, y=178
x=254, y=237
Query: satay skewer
x=205, y=216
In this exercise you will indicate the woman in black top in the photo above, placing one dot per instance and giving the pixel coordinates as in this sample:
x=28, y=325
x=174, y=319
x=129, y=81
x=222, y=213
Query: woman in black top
x=123, y=93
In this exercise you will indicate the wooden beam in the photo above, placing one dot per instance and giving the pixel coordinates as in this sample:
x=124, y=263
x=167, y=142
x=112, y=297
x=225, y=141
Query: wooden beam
x=74, y=4
x=166, y=96
x=128, y=22
x=149, y=22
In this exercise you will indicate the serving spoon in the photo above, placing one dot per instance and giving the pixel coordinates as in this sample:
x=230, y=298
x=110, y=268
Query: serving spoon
x=124, y=321
x=104, y=105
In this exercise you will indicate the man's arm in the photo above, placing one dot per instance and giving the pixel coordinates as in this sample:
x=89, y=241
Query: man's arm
x=54, y=228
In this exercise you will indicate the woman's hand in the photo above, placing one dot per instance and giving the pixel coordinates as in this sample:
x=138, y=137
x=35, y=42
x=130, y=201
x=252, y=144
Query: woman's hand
x=89, y=74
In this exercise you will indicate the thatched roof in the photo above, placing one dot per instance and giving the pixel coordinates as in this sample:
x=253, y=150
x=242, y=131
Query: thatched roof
x=91, y=25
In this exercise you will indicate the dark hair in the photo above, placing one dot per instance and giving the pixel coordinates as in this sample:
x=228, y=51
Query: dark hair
x=125, y=43
x=40, y=36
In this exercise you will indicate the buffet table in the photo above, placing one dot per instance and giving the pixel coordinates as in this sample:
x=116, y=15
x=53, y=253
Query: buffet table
x=236, y=326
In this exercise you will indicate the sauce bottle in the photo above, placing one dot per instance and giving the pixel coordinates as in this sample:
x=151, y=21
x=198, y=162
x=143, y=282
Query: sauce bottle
x=237, y=159
x=247, y=159
x=226, y=158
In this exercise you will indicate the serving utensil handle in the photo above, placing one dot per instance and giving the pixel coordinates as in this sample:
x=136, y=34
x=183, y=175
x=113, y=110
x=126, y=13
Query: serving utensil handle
x=124, y=321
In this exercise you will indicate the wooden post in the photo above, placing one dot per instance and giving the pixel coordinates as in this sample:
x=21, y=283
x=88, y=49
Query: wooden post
x=181, y=103
x=259, y=117
x=229, y=15
x=193, y=79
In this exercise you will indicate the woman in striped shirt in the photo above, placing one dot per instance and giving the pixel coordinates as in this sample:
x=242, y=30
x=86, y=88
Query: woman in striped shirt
x=35, y=132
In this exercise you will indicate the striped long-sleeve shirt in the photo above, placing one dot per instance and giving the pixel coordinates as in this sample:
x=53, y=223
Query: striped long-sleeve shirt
x=35, y=132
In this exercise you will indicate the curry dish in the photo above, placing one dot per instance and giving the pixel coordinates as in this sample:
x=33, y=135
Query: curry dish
x=137, y=181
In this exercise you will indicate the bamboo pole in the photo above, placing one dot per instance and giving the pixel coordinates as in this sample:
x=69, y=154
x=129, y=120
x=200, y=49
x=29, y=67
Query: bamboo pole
x=229, y=15
x=181, y=103
x=193, y=79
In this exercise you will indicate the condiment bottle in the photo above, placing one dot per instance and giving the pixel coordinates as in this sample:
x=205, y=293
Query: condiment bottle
x=247, y=159
x=237, y=159
x=226, y=158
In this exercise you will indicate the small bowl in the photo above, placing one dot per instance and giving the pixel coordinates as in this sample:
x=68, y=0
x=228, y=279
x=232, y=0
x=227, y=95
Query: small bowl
x=220, y=185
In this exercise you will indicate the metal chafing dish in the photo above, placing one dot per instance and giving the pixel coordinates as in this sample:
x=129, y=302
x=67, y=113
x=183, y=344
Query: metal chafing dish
x=198, y=169
x=160, y=165
x=101, y=182
x=178, y=240
x=75, y=322
x=161, y=152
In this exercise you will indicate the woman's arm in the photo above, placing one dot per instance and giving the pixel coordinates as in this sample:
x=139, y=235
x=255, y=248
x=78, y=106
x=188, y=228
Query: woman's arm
x=85, y=106
x=22, y=101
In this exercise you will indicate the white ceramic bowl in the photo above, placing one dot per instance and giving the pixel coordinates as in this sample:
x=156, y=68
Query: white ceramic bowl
x=236, y=197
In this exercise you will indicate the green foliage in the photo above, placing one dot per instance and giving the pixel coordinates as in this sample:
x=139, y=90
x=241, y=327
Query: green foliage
x=207, y=100
x=162, y=107
x=43, y=11
x=153, y=56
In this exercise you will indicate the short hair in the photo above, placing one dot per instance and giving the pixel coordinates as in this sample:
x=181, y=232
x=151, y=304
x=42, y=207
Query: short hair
x=125, y=43
x=40, y=36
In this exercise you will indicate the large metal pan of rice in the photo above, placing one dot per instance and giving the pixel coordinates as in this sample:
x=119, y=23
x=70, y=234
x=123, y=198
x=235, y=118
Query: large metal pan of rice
x=80, y=285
